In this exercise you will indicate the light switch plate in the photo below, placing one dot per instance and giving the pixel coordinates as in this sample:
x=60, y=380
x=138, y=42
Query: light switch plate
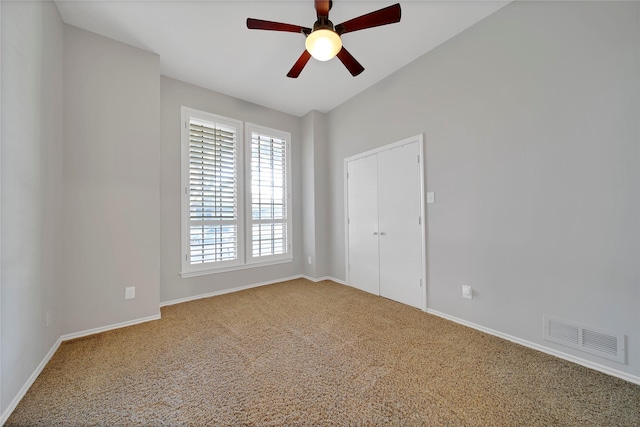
x=130, y=292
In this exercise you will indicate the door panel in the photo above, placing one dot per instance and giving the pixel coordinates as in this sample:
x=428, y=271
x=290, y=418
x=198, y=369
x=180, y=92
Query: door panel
x=363, y=223
x=400, y=245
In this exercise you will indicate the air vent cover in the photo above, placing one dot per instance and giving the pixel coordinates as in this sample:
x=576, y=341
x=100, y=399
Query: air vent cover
x=598, y=342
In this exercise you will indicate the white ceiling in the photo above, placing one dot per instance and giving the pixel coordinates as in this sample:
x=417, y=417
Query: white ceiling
x=207, y=43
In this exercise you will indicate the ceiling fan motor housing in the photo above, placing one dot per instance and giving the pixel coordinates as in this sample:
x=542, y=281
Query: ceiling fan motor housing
x=323, y=42
x=323, y=23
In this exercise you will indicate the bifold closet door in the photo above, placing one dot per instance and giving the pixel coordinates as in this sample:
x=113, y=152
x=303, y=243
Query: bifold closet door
x=362, y=189
x=399, y=227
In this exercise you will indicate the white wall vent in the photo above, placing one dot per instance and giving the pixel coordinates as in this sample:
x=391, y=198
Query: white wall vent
x=601, y=343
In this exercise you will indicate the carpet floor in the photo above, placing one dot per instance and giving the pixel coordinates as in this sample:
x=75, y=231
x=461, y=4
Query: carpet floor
x=303, y=353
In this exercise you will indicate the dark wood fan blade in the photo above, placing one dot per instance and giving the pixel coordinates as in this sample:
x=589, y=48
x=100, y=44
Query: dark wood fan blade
x=387, y=15
x=350, y=62
x=259, y=24
x=299, y=65
x=322, y=8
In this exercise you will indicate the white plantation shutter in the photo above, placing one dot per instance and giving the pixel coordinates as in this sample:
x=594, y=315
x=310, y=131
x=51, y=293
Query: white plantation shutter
x=269, y=229
x=225, y=226
x=213, y=196
x=211, y=203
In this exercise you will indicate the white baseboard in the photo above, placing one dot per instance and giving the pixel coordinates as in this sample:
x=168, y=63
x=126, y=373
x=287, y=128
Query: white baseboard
x=242, y=288
x=29, y=383
x=228, y=291
x=93, y=331
x=586, y=363
x=320, y=279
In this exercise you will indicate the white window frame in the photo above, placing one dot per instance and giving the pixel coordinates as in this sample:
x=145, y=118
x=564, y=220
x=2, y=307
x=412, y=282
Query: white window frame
x=286, y=136
x=189, y=269
x=244, y=218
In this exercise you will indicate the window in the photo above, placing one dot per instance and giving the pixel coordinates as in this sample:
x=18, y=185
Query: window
x=225, y=224
x=268, y=192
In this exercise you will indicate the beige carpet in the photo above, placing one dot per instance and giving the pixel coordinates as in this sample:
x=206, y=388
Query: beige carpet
x=302, y=353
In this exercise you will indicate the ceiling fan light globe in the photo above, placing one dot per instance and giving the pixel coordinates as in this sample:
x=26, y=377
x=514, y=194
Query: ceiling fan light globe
x=323, y=44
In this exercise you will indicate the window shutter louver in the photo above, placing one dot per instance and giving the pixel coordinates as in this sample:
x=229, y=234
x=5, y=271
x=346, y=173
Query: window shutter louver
x=268, y=195
x=213, y=198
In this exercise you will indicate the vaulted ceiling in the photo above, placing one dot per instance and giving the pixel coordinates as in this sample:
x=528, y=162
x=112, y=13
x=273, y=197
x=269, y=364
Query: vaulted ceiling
x=207, y=43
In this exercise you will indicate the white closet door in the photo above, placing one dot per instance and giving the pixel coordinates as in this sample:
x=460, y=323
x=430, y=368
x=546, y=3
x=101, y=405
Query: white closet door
x=399, y=227
x=363, y=224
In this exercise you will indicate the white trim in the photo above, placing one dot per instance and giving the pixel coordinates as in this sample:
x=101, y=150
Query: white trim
x=27, y=385
x=245, y=287
x=385, y=147
x=320, y=279
x=187, y=274
x=423, y=221
x=2, y=418
x=226, y=291
x=94, y=331
x=345, y=219
x=586, y=363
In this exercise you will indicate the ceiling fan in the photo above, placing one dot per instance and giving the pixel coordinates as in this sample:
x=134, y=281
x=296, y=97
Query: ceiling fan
x=323, y=41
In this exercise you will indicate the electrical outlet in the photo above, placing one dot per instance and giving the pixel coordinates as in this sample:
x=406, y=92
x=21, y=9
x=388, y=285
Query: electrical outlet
x=431, y=197
x=47, y=318
x=467, y=292
x=130, y=292
x=309, y=260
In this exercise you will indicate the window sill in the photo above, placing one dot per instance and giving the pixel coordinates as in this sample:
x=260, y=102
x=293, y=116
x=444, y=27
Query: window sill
x=187, y=274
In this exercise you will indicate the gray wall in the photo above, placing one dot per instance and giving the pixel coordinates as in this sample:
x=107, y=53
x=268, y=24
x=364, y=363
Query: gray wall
x=532, y=148
x=308, y=195
x=314, y=196
x=321, y=194
x=111, y=181
x=174, y=94
x=32, y=97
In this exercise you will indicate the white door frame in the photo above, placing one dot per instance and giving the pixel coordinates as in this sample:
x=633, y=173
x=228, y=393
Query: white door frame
x=420, y=140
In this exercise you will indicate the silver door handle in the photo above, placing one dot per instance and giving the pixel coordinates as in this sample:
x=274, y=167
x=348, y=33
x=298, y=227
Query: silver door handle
x=382, y=233
x=375, y=233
